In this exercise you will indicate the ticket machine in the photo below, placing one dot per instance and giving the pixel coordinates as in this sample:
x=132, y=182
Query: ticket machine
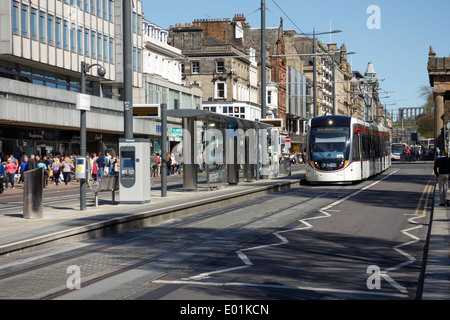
x=134, y=173
x=82, y=169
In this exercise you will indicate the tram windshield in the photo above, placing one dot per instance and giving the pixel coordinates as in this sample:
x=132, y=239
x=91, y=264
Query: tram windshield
x=329, y=143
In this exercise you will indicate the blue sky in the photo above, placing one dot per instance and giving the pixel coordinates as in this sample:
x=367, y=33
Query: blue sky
x=398, y=50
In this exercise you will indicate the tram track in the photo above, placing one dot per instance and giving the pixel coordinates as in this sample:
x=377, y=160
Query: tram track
x=171, y=228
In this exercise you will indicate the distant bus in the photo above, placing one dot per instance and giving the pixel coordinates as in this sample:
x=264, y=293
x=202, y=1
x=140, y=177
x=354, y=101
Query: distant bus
x=427, y=143
x=397, y=149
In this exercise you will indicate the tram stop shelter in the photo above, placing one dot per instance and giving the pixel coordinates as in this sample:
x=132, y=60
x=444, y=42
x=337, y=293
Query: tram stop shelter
x=223, y=147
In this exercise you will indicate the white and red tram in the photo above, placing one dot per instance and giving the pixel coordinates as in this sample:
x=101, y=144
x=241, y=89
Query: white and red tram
x=344, y=150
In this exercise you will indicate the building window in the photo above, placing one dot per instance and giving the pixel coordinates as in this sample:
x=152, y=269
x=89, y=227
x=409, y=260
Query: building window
x=220, y=66
x=105, y=48
x=99, y=46
x=110, y=10
x=98, y=9
x=105, y=12
x=15, y=17
x=139, y=60
x=80, y=40
x=33, y=22
x=196, y=67
x=139, y=24
x=111, y=50
x=73, y=47
x=220, y=90
x=24, y=20
x=50, y=29
x=42, y=26
x=66, y=35
x=86, y=42
x=93, y=43
x=134, y=58
x=58, y=32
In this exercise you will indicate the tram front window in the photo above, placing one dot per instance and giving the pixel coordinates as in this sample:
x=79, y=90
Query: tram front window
x=329, y=143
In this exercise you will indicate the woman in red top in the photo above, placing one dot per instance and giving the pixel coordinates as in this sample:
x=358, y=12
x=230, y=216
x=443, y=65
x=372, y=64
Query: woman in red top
x=11, y=168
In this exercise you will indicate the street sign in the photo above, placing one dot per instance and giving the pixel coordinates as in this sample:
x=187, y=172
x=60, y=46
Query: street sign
x=146, y=110
x=83, y=102
x=177, y=133
x=288, y=139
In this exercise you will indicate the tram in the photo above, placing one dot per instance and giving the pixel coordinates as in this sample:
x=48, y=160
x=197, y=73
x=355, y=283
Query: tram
x=343, y=150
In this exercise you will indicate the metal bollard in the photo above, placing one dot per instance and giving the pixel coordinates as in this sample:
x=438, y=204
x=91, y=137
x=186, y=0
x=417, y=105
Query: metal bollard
x=33, y=191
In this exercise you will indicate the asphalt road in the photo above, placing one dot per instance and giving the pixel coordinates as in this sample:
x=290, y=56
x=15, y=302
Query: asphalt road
x=363, y=241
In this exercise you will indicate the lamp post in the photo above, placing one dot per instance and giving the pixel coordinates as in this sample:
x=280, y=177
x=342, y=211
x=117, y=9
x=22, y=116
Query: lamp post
x=85, y=67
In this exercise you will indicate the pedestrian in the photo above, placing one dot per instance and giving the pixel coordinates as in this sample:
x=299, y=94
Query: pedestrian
x=154, y=164
x=43, y=165
x=442, y=171
x=2, y=175
x=23, y=167
x=32, y=162
x=56, y=167
x=101, y=166
x=94, y=169
x=11, y=168
x=66, y=170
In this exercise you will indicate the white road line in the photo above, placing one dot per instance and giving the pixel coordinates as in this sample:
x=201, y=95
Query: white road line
x=246, y=260
x=276, y=286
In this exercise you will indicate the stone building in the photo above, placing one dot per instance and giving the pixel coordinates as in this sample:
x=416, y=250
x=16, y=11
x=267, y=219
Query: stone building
x=218, y=61
x=438, y=71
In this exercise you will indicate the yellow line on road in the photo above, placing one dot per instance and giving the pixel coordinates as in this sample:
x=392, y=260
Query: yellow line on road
x=425, y=196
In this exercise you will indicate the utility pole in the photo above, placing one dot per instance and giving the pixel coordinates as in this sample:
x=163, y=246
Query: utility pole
x=127, y=70
x=263, y=59
x=314, y=75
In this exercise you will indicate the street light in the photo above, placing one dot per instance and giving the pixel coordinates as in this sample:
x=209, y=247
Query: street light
x=85, y=67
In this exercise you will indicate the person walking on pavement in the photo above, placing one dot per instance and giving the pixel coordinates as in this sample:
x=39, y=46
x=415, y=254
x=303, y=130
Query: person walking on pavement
x=2, y=175
x=442, y=171
x=22, y=168
x=56, y=167
x=67, y=169
x=11, y=168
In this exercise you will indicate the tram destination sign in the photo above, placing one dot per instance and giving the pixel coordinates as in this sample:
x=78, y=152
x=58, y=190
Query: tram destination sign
x=277, y=123
x=147, y=110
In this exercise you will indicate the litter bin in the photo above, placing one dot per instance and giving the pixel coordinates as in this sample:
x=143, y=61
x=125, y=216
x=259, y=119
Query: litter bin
x=33, y=191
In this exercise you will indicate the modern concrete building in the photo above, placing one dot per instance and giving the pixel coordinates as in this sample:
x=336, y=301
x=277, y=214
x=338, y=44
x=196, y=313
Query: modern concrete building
x=42, y=46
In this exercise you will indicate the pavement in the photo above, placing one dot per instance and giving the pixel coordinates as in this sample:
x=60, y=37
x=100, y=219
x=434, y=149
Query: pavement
x=64, y=222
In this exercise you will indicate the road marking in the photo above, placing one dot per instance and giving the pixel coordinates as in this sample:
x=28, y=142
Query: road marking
x=424, y=196
x=306, y=225
x=276, y=286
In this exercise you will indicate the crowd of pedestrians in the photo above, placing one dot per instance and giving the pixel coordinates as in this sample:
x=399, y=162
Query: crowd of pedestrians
x=57, y=169
x=60, y=169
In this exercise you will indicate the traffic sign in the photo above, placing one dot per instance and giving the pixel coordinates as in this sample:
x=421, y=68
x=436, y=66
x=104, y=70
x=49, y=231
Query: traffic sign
x=288, y=139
